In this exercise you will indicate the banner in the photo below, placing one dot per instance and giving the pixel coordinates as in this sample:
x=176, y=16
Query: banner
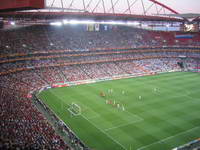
x=96, y=27
x=90, y=27
x=105, y=27
x=184, y=36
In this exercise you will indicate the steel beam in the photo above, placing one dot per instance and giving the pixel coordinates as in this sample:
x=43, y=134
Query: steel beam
x=163, y=5
x=113, y=10
x=70, y=5
x=143, y=7
x=103, y=4
x=88, y=5
x=96, y=6
x=113, y=5
x=84, y=5
x=130, y=6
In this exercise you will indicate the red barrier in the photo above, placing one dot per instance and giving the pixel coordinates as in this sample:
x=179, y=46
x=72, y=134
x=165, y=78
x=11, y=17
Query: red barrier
x=21, y=4
x=59, y=85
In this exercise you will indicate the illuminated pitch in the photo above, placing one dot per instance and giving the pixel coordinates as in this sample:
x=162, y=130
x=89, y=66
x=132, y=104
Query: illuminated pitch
x=167, y=115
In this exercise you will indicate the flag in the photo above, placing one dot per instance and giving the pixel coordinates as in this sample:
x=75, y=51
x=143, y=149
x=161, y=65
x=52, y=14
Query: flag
x=96, y=27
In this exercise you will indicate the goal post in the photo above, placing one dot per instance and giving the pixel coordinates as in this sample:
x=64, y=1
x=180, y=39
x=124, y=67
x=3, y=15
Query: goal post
x=74, y=109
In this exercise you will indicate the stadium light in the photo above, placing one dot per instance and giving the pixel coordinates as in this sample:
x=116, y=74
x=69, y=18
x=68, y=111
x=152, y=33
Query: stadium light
x=119, y=23
x=7, y=46
x=133, y=23
x=78, y=22
x=12, y=23
x=112, y=22
x=23, y=45
x=87, y=22
x=65, y=22
x=74, y=22
x=93, y=22
x=56, y=23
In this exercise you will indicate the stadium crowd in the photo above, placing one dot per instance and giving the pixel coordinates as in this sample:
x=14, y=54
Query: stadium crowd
x=21, y=124
x=25, y=40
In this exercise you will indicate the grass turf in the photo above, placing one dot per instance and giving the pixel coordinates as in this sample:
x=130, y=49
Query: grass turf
x=161, y=119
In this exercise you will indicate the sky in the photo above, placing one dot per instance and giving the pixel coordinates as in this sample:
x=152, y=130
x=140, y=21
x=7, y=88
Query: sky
x=181, y=6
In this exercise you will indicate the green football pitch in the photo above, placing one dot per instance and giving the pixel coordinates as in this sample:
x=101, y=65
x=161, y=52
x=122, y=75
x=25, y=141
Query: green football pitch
x=160, y=112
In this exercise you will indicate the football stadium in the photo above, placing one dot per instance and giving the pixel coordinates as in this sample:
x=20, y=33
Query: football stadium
x=99, y=75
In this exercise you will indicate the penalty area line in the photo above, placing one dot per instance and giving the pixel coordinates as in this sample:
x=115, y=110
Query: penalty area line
x=117, y=142
x=97, y=127
x=134, y=115
x=124, y=124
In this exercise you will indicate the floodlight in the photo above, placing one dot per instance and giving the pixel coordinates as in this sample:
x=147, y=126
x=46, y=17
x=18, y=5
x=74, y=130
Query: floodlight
x=65, y=22
x=12, y=23
x=79, y=22
x=133, y=23
x=73, y=22
x=56, y=23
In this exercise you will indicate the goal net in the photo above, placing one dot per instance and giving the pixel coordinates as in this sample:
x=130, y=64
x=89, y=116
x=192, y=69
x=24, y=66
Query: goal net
x=74, y=109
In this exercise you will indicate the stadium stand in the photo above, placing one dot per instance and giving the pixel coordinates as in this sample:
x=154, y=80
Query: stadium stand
x=67, y=54
x=25, y=40
x=23, y=126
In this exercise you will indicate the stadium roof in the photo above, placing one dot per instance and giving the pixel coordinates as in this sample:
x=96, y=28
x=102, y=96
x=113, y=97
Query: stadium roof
x=189, y=16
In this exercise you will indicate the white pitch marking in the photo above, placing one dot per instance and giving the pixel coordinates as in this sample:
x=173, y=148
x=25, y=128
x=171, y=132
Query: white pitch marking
x=134, y=115
x=143, y=147
x=105, y=133
x=123, y=125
